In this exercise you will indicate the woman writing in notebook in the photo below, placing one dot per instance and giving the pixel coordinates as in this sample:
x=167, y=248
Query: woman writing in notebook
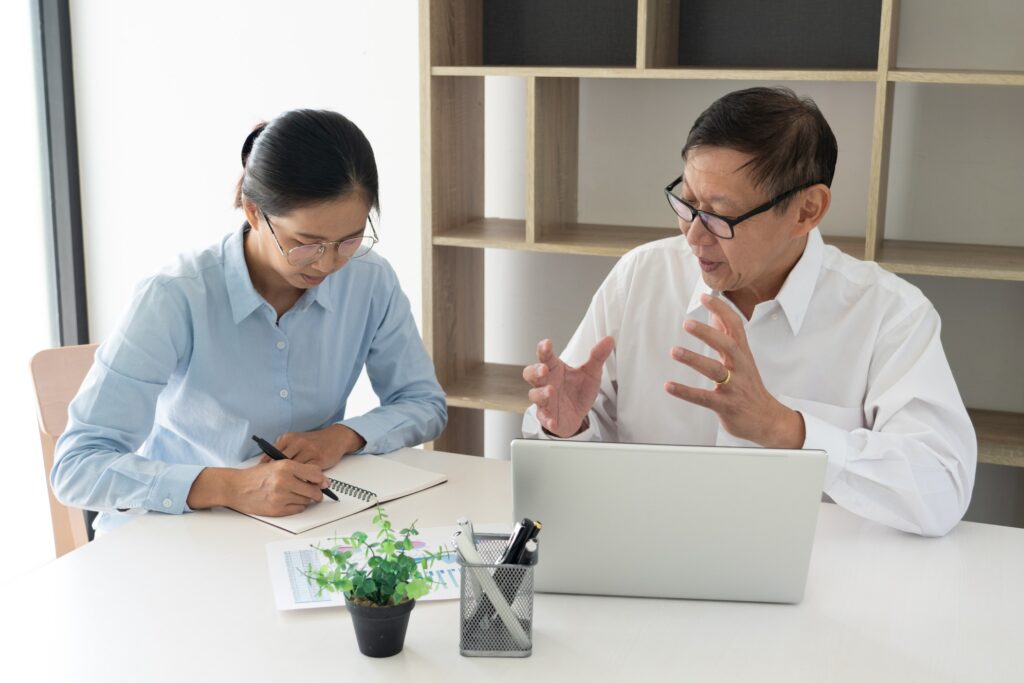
x=264, y=332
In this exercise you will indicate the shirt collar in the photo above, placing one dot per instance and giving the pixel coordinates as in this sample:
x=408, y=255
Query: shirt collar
x=796, y=292
x=322, y=293
x=243, y=296
x=241, y=292
x=701, y=288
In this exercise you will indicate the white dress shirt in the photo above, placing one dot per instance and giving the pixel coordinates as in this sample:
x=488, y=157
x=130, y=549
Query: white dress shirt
x=852, y=347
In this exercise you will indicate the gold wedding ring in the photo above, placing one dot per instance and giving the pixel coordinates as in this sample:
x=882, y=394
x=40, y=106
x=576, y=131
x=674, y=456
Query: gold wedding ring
x=728, y=376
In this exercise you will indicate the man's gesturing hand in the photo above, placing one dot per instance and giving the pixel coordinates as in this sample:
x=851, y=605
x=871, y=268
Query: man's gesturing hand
x=745, y=407
x=564, y=394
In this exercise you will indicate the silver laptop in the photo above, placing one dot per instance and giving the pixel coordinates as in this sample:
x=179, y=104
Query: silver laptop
x=670, y=521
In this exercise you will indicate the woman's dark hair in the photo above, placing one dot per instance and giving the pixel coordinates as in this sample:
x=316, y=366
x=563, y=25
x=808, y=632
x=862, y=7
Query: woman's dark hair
x=304, y=157
x=790, y=141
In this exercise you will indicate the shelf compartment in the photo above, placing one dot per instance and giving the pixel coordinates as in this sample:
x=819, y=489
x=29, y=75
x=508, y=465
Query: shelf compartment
x=673, y=73
x=486, y=233
x=490, y=386
x=982, y=262
x=803, y=33
x=580, y=239
x=559, y=32
x=957, y=77
x=1000, y=437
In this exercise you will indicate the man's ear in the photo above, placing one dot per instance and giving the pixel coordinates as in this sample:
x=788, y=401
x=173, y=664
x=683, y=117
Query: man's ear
x=811, y=206
x=252, y=213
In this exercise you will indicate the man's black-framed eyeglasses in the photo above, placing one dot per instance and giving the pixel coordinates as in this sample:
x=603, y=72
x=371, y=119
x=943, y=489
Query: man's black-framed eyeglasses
x=307, y=254
x=721, y=226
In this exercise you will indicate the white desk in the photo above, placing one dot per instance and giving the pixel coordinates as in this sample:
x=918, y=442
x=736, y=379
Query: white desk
x=188, y=599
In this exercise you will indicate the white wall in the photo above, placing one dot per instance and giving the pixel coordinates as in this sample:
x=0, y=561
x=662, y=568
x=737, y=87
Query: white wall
x=167, y=92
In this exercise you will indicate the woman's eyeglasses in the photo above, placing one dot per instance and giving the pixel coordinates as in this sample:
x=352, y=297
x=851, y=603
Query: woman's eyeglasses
x=308, y=254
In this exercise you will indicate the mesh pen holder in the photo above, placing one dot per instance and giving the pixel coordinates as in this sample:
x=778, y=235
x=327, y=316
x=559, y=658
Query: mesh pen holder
x=496, y=606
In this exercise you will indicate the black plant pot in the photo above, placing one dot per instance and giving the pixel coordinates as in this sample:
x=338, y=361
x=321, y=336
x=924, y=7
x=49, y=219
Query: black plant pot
x=380, y=631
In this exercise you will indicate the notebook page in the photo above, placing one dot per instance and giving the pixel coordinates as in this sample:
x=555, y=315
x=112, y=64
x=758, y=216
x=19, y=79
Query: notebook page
x=317, y=514
x=387, y=479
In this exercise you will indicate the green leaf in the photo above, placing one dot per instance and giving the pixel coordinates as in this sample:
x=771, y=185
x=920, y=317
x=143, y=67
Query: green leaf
x=418, y=587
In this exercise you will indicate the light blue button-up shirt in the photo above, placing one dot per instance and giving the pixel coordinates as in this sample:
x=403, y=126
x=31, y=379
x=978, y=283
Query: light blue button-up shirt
x=200, y=363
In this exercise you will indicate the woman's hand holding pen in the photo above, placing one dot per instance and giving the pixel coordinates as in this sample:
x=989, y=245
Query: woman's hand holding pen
x=274, y=489
x=323, y=447
x=279, y=488
x=564, y=394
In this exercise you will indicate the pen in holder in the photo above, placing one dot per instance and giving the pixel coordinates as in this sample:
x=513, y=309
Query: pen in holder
x=496, y=606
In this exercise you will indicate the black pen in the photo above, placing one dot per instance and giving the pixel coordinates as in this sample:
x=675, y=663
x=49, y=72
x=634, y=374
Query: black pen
x=275, y=454
x=529, y=557
x=524, y=530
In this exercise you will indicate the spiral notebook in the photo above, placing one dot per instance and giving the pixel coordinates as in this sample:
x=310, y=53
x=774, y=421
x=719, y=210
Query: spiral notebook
x=361, y=481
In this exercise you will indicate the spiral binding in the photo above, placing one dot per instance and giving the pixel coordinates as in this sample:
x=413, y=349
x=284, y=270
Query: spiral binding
x=347, y=489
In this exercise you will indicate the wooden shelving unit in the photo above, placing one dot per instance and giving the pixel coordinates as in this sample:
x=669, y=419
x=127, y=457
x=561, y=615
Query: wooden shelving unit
x=667, y=73
x=456, y=229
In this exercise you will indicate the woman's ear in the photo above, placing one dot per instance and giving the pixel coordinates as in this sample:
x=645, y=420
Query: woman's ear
x=252, y=214
x=812, y=205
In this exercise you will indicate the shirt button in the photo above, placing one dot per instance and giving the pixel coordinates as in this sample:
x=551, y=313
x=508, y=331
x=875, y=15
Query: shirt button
x=775, y=316
x=281, y=345
x=284, y=393
x=168, y=502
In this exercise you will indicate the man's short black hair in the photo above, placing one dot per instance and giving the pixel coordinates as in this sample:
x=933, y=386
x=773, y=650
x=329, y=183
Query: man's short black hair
x=790, y=141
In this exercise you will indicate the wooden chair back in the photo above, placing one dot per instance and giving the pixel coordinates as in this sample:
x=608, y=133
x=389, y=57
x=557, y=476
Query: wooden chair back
x=57, y=374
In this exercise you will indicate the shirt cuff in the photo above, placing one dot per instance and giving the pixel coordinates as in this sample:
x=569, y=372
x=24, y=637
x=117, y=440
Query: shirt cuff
x=532, y=429
x=374, y=430
x=169, y=493
x=820, y=435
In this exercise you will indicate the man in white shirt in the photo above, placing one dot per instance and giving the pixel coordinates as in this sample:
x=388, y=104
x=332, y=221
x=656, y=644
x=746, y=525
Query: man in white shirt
x=749, y=330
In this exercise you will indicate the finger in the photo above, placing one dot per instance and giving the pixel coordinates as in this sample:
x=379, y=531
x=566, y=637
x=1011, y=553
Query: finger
x=311, y=473
x=290, y=444
x=544, y=351
x=599, y=354
x=730, y=320
x=536, y=375
x=716, y=339
x=265, y=458
x=547, y=420
x=306, y=489
x=305, y=455
x=291, y=498
x=710, y=368
x=540, y=397
x=700, y=397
